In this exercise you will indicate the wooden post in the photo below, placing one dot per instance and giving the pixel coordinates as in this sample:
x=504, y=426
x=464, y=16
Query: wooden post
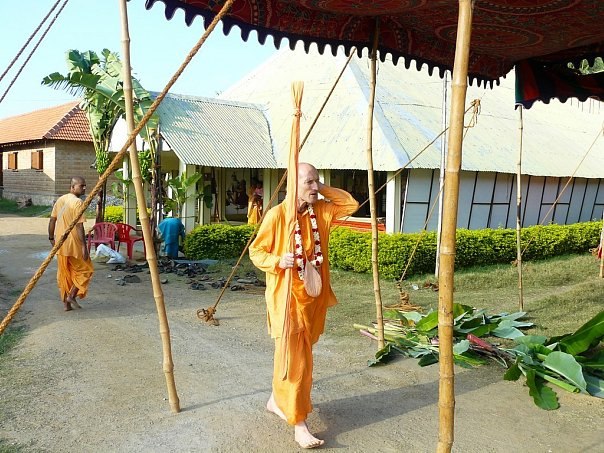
x=158, y=294
x=371, y=190
x=518, y=214
x=459, y=85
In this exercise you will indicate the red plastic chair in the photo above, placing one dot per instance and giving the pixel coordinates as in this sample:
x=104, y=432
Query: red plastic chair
x=102, y=233
x=124, y=235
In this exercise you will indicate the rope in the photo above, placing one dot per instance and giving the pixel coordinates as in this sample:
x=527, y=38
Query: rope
x=33, y=50
x=208, y=314
x=29, y=40
x=565, y=187
x=112, y=166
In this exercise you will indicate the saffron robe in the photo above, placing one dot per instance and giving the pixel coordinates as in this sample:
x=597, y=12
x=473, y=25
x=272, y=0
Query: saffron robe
x=72, y=270
x=307, y=314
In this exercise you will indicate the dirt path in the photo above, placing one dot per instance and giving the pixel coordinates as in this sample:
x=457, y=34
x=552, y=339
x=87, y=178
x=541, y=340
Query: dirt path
x=91, y=380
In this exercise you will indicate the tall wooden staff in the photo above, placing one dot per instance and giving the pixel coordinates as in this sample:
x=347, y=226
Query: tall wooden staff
x=371, y=191
x=518, y=215
x=291, y=212
x=164, y=328
x=446, y=390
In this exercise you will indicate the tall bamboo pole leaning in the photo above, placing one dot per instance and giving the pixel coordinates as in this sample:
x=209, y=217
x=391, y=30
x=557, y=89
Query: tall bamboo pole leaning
x=519, y=213
x=164, y=329
x=371, y=190
x=459, y=86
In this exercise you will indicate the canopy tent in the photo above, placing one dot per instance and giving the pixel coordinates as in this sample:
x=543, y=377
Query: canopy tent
x=504, y=32
x=478, y=40
x=540, y=82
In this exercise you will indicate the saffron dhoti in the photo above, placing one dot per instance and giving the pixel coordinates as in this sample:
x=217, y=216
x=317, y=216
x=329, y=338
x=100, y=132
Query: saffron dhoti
x=72, y=272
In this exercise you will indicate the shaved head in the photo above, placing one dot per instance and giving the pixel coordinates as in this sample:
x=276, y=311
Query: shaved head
x=308, y=184
x=77, y=180
x=78, y=186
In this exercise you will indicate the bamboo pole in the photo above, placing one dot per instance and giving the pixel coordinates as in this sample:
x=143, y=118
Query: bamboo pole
x=441, y=173
x=371, y=191
x=446, y=390
x=164, y=328
x=518, y=214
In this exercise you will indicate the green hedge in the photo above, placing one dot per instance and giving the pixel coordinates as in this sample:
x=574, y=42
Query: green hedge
x=217, y=241
x=351, y=250
x=115, y=214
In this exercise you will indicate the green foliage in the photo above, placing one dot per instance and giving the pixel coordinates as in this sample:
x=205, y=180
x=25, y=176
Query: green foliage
x=351, y=250
x=99, y=81
x=585, y=69
x=114, y=214
x=12, y=207
x=10, y=338
x=217, y=241
x=414, y=334
x=180, y=186
x=545, y=361
x=587, y=336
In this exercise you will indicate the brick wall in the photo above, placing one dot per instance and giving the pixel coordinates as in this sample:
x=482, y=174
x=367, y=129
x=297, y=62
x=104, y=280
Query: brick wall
x=61, y=161
x=74, y=159
x=27, y=182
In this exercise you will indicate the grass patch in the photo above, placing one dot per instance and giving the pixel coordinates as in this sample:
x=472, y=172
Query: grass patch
x=10, y=338
x=11, y=207
x=560, y=294
x=9, y=447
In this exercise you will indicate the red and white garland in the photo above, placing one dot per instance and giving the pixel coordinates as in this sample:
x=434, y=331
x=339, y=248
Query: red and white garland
x=318, y=256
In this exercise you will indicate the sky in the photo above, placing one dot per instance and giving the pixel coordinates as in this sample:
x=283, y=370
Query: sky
x=157, y=48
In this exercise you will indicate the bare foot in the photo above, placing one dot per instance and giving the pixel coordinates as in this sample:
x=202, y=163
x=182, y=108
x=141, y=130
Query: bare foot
x=271, y=406
x=73, y=302
x=304, y=438
x=67, y=306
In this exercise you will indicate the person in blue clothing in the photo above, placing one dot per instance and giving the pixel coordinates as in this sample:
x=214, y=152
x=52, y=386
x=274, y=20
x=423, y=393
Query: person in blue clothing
x=171, y=230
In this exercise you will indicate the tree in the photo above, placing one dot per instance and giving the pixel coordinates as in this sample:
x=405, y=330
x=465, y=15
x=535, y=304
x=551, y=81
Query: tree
x=99, y=81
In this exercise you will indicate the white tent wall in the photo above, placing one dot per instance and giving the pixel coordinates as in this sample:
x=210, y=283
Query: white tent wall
x=487, y=200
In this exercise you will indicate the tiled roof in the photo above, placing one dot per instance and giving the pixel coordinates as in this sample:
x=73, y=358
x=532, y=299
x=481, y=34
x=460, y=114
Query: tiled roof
x=63, y=122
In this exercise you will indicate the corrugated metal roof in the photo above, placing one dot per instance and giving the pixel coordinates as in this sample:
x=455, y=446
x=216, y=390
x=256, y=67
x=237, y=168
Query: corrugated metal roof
x=62, y=122
x=216, y=132
x=408, y=115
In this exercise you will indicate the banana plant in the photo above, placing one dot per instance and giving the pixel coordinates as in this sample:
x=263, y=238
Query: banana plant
x=99, y=81
x=573, y=362
x=180, y=186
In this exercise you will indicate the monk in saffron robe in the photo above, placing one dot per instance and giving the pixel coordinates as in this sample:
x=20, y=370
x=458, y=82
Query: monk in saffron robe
x=74, y=266
x=272, y=252
x=254, y=205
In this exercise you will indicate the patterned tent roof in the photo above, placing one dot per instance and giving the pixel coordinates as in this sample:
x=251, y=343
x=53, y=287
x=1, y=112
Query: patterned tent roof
x=504, y=32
